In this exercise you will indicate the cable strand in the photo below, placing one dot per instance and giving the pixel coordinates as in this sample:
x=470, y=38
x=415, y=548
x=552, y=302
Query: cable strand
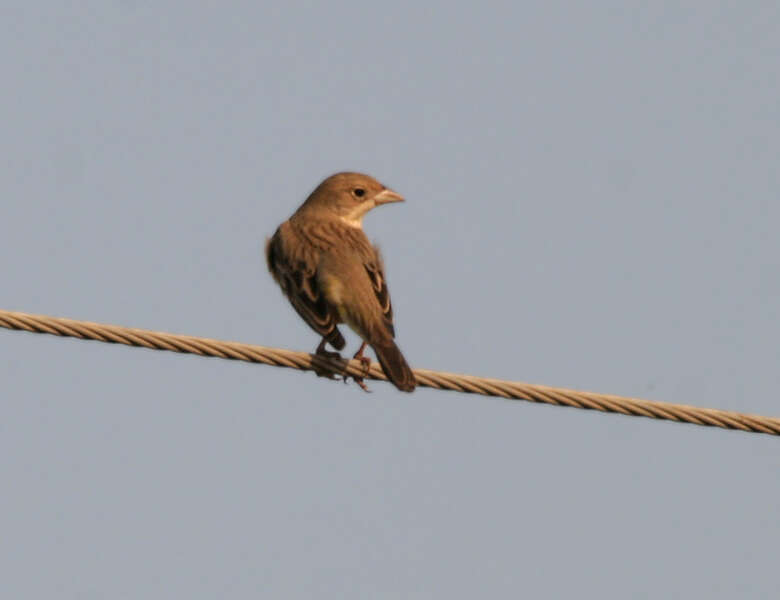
x=278, y=357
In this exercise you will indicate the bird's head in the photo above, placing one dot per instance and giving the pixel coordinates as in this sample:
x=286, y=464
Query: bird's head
x=349, y=196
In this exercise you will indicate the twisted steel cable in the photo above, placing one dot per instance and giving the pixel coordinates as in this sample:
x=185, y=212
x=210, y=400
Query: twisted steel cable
x=435, y=379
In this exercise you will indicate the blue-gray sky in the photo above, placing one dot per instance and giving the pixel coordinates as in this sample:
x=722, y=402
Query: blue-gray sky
x=592, y=203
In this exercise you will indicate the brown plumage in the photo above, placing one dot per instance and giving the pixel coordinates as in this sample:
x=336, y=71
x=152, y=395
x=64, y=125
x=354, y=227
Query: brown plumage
x=332, y=274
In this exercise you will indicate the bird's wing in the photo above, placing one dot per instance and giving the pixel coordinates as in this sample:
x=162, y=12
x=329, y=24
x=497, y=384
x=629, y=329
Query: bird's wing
x=294, y=267
x=375, y=270
x=352, y=278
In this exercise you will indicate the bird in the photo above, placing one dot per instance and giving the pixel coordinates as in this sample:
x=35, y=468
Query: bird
x=331, y=273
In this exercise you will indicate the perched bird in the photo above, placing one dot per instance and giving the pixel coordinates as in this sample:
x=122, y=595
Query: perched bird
x=331, y=273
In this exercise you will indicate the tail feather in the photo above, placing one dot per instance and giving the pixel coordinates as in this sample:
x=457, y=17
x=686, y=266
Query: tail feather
x=394, y=365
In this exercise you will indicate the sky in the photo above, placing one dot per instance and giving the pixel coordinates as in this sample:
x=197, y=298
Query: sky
x=592, y=202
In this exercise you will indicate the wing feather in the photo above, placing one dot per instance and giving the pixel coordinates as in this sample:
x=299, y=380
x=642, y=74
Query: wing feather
x=294, y=267
x=376, y=274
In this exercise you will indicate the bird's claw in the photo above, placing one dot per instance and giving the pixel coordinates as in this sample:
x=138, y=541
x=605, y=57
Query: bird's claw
x=335, y=356
x=328, y=373
x=329, y=355
x=366, y=362
x=361, y=383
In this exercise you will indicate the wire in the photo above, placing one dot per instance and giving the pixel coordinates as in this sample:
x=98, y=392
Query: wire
x=444, y=381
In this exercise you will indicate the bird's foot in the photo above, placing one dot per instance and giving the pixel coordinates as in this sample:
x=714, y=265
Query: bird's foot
x=366, y=362
x=329, y=355
x=361, y=383
x=324, y=372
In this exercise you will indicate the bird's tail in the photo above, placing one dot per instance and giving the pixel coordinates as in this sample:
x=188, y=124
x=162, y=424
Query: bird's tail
x=394, y=365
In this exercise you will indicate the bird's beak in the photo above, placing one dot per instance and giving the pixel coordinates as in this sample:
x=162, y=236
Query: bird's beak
x=387, y=196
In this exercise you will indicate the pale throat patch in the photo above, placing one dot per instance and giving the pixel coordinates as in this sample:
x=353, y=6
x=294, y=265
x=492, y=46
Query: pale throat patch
x=355, y=218
x=357, y=223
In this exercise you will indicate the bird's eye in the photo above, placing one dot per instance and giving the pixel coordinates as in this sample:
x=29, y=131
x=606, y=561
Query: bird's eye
x=359, y=192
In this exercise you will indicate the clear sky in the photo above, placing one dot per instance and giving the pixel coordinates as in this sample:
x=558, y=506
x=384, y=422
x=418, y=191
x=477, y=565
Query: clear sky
x=592, y=202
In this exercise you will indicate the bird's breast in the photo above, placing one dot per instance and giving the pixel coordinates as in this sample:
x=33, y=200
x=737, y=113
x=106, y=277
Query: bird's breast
x=338, y=296
x=333, y=289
